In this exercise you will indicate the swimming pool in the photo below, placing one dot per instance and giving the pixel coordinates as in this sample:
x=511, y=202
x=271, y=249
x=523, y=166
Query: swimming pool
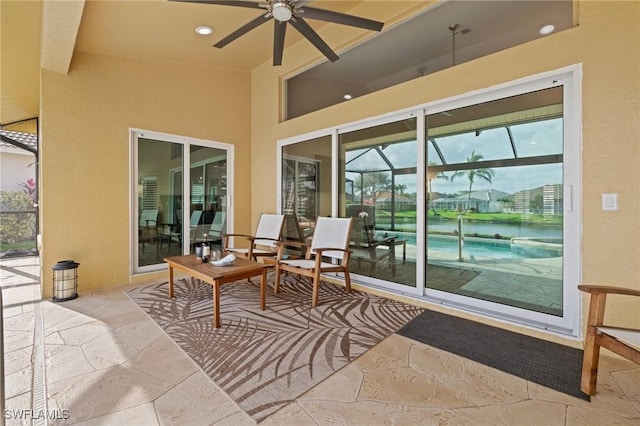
x=485, y=247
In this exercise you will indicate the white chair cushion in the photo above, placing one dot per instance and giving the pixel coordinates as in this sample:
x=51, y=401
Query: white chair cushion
x=331, y=233
x=269, y=226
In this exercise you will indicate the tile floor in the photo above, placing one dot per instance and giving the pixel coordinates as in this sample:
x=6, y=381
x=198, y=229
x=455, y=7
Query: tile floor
x=98, y=360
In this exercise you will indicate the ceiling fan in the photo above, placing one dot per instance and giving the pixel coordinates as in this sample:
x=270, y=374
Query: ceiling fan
x=292, y=12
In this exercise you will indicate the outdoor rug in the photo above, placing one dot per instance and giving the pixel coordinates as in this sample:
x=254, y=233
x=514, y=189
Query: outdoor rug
x=265, y=359
x=549, y=364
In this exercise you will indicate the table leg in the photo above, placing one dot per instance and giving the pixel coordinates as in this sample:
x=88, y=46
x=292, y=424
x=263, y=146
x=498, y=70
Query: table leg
x=392, y=255
x=216, y=304
x=170, y=281
x=263, y=289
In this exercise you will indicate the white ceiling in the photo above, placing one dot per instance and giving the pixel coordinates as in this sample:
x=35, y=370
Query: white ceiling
x=164, y=30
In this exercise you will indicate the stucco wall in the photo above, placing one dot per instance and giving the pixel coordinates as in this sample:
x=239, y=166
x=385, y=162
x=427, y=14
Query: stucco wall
x=86, y=118
x=606, y=42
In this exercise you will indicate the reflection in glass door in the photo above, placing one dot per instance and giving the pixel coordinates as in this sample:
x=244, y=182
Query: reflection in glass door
x=208, y=186
x=495, y=202
x=305, y=186
x=379, y=191
x=173, y=209
x=159, y=233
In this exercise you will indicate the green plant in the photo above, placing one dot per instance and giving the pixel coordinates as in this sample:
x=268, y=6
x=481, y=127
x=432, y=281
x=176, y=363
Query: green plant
x=29, y=188
x=17, y=218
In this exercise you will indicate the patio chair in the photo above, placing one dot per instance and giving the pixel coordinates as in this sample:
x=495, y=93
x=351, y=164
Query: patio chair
x=148, y=218
x=148, y=227
x=263, y=243
x=293, y=230
x=623, y=341
x=196, y=215
x=173, y=231
x=370, y=249
x=331, y=241
x=214, y=235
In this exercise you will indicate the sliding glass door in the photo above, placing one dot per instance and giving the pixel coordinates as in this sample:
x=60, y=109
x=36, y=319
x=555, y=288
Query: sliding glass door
x=172, y=209
x=495, y=206
x=471, y=202
x=499, y=195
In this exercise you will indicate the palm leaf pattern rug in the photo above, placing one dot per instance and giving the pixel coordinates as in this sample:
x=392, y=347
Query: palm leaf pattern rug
x=265, y=359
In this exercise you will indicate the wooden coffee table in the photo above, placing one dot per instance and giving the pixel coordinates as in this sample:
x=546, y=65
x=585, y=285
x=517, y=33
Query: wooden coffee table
x=218, y=275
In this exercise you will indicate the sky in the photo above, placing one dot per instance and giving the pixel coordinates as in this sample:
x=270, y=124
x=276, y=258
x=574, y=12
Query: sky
x=531, y=139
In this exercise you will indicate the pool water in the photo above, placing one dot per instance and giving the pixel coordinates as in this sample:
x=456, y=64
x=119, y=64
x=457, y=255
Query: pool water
x=480, y=247
x=471, y=247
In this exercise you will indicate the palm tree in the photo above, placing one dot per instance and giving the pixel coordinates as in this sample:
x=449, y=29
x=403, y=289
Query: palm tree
x=400, y=188
x=472, y=174
x=431, y=176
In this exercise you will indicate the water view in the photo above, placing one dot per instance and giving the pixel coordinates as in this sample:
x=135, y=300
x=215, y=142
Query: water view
x=504, y=229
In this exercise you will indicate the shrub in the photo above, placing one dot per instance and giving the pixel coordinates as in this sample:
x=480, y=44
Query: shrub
x=16, y=227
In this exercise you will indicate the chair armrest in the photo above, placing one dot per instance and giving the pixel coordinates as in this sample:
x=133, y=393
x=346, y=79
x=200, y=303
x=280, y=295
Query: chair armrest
x=237, y=235
x=384, y=242
x=595, y=289
x=318, y=253
x=265, y=239
x=296, y=245
x=169, y=225
x=321, y=249
x=225, y=239
x=290, y=243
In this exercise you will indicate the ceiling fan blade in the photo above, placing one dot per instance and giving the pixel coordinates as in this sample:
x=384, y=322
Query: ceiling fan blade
x=240, y=3
x=241, y=31
x=279, y=30
x=341, y=18
x=304, y=29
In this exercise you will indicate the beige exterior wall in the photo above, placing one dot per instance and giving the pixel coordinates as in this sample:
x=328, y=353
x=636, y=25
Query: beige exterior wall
x=86, y=119
x=606, y=42
x=86, y=116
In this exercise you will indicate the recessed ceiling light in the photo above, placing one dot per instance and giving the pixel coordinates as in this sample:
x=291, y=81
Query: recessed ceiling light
x=547, y=29
x=347, y=97
x=204, y=30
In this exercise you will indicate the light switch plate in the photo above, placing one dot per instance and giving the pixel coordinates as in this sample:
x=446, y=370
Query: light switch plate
x=609, y=201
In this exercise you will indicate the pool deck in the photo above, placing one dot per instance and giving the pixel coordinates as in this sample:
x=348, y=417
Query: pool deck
x=531, y=282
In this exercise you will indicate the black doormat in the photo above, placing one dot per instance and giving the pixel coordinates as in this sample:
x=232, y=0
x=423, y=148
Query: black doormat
x=546, y=363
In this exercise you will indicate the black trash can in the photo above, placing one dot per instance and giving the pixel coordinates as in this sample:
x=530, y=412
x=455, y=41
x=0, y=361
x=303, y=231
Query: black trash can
x=65, y=280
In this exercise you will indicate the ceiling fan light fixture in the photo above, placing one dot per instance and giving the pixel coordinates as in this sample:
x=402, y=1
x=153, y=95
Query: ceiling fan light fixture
x=204, y=30
x=293, y=12
x=547, y=29
x=281, y=11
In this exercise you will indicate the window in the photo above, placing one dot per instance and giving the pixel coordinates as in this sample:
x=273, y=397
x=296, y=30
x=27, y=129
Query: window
x=422, y=45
